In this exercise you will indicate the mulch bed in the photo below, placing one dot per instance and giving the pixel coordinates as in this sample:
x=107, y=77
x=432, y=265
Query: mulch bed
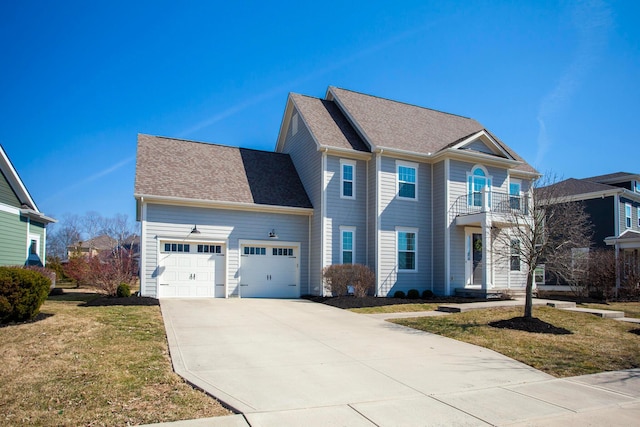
x=353, y=302
x=110, y=301
x=529, y=325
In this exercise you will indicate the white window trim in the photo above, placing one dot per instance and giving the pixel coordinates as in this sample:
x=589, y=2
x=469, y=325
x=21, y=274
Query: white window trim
x=407, y=165
x=638, y=212
x=415, y=251
x=31, y=237
x=352, y=230
x=351, y=163
x=488, y=181
x=512, y=255
x=627, y=208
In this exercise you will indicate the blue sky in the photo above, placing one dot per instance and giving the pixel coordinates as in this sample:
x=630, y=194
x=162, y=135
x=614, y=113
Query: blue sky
x=557, y=81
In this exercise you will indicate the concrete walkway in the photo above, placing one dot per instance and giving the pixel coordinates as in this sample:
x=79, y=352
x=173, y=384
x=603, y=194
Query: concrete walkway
x=293, y=362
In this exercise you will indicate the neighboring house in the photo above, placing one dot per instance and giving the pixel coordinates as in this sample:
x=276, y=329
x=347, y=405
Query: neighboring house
x=613, y=203
x=417, y=195
x=92, y=247
x=23, y=233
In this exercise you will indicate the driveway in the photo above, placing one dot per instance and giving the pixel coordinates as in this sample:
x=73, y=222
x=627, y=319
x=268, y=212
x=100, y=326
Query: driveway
x=294, y=362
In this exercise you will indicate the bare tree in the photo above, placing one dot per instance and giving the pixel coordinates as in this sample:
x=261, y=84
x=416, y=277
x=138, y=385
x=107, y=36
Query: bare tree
x=555, y=232
x=63, y=234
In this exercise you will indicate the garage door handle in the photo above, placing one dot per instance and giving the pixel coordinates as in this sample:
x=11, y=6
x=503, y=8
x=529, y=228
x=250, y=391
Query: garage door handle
x=164, y=284
x=291, y=285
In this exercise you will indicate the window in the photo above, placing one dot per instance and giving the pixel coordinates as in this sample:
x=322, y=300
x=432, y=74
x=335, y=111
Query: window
x=638, y=217
x=177, y=247
x=33, y=247
x=407, y=180
x=407, y=243
x=514, y=194
x=282, y=252
x=636, y=186
x=252, y=250
x=476, y=181
x=348, y=169
x=538, y=275
x=347, y=239
x=210, y=249
x=515, y=255
x=627, y=215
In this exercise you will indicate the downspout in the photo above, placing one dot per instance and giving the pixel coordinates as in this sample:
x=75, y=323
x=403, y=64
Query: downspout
x=309, y=256
x=323, y=204
x=447, y=268
x=378, y=166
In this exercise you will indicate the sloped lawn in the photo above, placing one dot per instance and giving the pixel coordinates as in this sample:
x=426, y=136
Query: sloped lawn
x=570, y=344
x=84, y=362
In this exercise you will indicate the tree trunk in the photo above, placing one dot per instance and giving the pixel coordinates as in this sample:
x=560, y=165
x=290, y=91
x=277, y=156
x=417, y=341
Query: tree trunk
x=528, y=301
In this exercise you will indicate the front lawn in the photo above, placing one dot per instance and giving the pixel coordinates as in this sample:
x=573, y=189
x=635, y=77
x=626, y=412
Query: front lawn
x=93, y=364
x=593, y=344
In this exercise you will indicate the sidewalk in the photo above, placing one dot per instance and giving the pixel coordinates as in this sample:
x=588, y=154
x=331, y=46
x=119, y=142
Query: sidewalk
x=292, y=363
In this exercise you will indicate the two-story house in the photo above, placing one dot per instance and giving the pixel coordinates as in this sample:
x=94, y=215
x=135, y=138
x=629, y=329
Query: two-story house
x=419, y=196
x=613, y=204
x=23, y=233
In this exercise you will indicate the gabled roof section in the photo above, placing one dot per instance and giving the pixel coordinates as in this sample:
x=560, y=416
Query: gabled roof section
x=16, y=184
x=188, y=170
x=329, y=127
x=393, y=125
x=615, y=178
x=576, y=187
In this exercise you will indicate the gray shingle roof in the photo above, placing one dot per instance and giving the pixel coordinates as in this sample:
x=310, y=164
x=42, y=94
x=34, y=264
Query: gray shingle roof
x=327, y=123
x=574, y=187
x=613, y=177
x=177, y=168
x=396, y=125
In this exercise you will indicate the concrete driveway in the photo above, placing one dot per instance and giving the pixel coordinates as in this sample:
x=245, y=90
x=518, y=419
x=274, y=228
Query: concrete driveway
x=294, y=362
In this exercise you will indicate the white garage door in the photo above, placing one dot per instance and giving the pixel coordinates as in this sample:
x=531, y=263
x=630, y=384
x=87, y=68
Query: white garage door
x=187, y=271
x=269, y=272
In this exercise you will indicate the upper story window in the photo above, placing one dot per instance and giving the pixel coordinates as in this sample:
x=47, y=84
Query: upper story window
x=294, y=124
x=476, y=181
x=515, y=194
x=347, y=239
x=348, y=179
x=407, y=249
x=636, y=186
x=407, y=180
x=638, y=217
x=627, y=215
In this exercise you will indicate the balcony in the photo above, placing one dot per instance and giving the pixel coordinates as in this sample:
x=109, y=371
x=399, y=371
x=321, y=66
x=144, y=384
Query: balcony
x=476, y=208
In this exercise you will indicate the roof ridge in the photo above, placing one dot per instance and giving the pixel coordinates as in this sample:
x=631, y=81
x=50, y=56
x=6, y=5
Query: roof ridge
x=404, y=103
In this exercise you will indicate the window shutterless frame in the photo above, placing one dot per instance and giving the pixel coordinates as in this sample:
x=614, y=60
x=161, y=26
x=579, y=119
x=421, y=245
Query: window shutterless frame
x=406, y=180
x=347, y=179
x=347, y=244
x=407, y=249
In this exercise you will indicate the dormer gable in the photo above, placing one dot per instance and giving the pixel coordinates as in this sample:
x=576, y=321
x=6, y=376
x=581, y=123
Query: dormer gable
x=482, y=142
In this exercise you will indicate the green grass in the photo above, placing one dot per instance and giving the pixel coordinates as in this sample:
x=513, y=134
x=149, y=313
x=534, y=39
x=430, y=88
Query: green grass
x=396, y=308
x=595, y=344
x=631, y=309
x=86, y=365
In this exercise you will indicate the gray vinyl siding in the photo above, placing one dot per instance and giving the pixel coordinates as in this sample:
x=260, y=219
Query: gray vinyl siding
x=480, y=146
x=373, y=216
x=439, y=225
x=345, y=212
x=308, y=163
x=397, y=213
x=13, y=239
x=219, y=225
x=7, y=195
x=634, y=215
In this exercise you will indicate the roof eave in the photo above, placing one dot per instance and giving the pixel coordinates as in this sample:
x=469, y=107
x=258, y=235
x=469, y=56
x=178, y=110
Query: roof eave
x=240, y=206
x=38, y=216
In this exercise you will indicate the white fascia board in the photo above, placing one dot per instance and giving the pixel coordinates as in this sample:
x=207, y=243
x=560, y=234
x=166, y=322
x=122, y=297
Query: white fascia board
x=31, y=214
x=489, y=138
x=331, y=96
x=180, y=201
x=345, y=153
x=475, y=157
x=284, y=125
x=14, y=179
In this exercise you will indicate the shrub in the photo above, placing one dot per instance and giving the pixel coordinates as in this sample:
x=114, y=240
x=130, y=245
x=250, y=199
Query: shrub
x=413, y=294
x=427, y=294
x=399, y=294
x=339, y=277
x=22, y=293
x=123, y=291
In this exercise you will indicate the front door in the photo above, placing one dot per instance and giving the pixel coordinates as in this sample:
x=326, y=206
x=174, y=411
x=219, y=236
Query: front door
x=476, y=251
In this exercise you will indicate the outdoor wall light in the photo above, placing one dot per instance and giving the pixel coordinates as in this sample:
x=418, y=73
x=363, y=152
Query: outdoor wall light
x=195, y=230
x=272, y=234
